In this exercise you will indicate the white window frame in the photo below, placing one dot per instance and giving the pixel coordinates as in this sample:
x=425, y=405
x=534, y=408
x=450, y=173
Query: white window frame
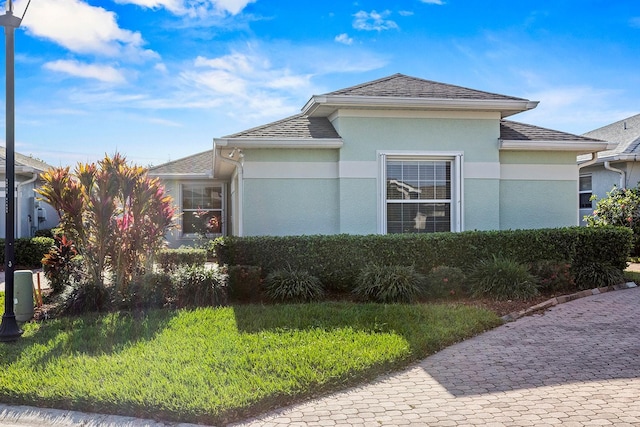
x=581, y=192
x=457, y=182
x=223, y=209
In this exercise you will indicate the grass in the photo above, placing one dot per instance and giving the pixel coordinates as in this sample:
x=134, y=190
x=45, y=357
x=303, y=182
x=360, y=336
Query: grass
x=218, y=365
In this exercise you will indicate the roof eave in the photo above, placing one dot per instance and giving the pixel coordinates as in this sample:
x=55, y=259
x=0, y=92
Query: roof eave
x=180, y=175
x=324, y=105
x=578, y=146
x=316, y=143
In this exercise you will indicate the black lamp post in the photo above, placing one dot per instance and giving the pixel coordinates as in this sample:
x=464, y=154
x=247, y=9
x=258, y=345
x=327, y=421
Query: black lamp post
x=9, y=330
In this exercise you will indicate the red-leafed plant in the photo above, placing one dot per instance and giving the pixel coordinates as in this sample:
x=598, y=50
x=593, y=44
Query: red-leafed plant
x=115, y=214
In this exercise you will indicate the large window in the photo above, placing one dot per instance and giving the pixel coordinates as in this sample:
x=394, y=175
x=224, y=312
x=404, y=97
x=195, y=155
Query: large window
x=202, y=207
x=421, y=194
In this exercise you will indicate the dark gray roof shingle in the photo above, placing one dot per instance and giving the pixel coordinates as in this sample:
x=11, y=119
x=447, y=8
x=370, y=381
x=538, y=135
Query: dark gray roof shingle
x=515, y=131
x=298, y=126
x=400, y=85
x=195, y=164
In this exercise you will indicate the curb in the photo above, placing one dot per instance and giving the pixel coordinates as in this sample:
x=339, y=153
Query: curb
x=565, y=298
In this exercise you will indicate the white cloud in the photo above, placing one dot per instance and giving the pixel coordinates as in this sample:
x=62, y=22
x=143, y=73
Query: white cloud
x=438, y=2
x=104, y=73
x=373, y=21
x=193, y=8
x=569, y=108
x=405, y=13
x=82, y=28
x=247, y=82
x=344, y=39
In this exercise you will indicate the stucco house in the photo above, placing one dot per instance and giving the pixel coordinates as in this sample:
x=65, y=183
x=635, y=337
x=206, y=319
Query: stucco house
x=395, y=155
x=31, y=215
x=619, y=167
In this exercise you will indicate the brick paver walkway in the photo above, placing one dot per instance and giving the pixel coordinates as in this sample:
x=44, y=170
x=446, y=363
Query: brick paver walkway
x=574, y=365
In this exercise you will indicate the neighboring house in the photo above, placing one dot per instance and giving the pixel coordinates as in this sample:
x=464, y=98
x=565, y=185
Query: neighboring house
x=395, y=155
x=618, y=167
x=31, y=215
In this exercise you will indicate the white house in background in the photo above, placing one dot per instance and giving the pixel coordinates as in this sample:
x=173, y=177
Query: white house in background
x=395, y=155
x=31, y=215
x=618, y=167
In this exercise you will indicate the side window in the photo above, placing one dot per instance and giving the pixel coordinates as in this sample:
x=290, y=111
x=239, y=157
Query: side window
x=585, y=192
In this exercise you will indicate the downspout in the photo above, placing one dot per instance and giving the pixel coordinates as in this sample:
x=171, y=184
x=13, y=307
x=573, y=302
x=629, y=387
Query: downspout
x=240, y=190
x=20, y=184
x=623, y=176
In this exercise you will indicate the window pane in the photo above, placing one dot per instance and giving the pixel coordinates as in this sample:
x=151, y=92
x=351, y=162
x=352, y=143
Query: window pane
x=585, y=201
x=418, y=217
x=585, y=183
x=207, y=223
x=201, y=197
x=424, y=179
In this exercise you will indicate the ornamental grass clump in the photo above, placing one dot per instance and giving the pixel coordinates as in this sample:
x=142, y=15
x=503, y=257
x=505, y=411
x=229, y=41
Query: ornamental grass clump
x=288, y=285
x=502, y=278
x=597, y=275
x=389, y=284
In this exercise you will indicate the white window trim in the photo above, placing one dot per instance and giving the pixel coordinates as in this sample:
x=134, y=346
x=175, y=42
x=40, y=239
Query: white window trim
x=457, y=178
x=223, y=210
x=580, y=192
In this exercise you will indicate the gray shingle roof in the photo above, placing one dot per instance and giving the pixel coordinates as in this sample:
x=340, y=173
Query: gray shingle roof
x=515, y=131
x=200, y=163
x=22, y=160
x=625, y=132
x=298, y=126
x=400, y=85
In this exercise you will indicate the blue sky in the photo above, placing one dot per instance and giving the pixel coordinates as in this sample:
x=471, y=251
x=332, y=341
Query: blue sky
x=157, y=80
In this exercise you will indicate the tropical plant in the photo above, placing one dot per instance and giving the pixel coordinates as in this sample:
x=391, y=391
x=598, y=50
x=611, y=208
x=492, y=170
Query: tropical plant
x=58, y=263
x=445, y=282
x=115, y=214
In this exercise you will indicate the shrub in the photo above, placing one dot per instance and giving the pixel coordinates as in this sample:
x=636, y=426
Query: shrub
x=553, y=276
x=79, y=298
x=597, y=275
x=153, y=290
x=58, y=264
x=245, y=283
x=337, y=259
x=46, y=232
x=288, y=285
x=502, y=279
x=198, y=286
x=28, y=251
x=171, y=259
x=389, y=284
x=444, y=281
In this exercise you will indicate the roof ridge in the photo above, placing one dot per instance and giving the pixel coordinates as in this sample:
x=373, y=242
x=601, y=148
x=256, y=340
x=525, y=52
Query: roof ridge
x=621, y=121
x=369, y=83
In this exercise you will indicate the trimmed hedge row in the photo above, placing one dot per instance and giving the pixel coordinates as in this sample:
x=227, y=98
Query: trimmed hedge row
x=28, y=251
x=171, y=259
x=337, y=259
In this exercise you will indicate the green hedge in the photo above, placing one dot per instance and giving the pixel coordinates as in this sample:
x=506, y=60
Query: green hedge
x=28, y=251
x=337, y=259
x=170, y=259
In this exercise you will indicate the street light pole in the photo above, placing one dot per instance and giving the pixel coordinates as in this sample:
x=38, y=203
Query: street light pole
x=9, y=330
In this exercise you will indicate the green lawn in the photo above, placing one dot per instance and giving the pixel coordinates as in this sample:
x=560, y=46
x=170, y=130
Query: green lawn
x=217, y=365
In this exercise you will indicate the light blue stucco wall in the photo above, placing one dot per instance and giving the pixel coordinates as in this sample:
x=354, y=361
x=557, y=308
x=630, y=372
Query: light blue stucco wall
x=290, y=206
x=538, y=204
x=542, y=201
x=479, y=212
x=358, y=201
